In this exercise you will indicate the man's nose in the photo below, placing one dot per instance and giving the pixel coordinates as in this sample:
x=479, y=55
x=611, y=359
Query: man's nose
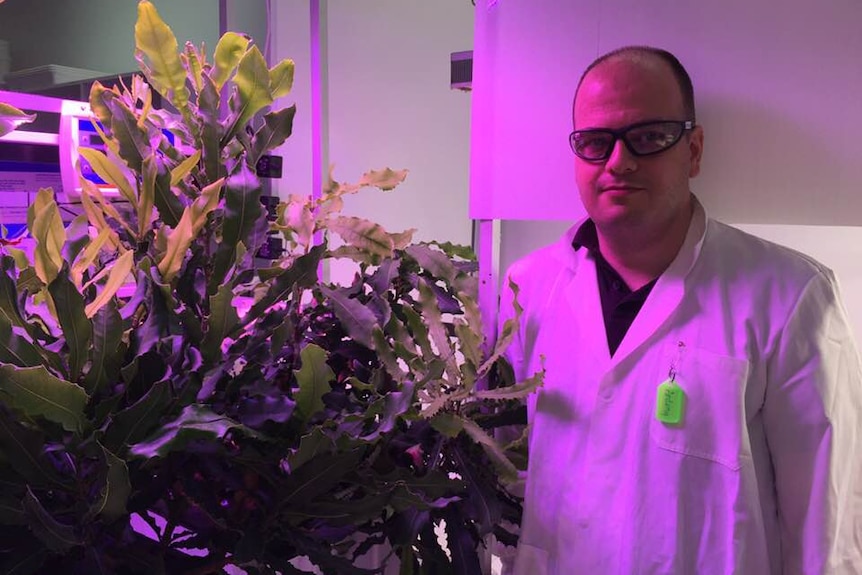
x=621, y=159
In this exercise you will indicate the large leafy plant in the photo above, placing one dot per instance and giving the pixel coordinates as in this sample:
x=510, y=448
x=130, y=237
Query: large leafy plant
x=170, y=403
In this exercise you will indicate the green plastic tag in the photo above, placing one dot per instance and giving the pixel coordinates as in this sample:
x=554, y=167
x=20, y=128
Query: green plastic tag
x=670, y=403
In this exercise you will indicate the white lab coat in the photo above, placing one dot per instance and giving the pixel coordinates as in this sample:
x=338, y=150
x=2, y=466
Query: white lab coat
x=762, y=477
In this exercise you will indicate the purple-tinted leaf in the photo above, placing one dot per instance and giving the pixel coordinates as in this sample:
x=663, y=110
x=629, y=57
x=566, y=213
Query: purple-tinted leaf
x=194, y=423
x=356, y=317
x=255, y=411
x=381, y=279
x=463, y=545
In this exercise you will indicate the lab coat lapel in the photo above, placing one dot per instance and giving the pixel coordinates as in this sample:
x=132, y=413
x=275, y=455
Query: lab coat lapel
x=668, y=291
x=585, y=303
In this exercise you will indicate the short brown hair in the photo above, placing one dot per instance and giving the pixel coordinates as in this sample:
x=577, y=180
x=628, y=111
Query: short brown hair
x=683, y=80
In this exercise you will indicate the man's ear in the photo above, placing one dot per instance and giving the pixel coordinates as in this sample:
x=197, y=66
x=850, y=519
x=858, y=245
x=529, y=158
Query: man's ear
x=695, y=146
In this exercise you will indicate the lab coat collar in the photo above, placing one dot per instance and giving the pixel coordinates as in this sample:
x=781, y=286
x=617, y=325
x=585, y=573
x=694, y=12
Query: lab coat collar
x=666, y=296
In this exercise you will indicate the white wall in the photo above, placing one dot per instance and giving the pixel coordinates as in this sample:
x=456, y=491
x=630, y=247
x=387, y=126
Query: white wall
x=95, y=34
x=389, y=105
x=778, y=87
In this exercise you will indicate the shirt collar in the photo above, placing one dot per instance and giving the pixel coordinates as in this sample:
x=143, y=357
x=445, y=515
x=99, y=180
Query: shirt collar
x=587, y=237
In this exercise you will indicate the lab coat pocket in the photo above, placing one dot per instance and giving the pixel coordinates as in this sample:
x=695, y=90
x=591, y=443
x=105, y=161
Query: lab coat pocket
x=713, y=411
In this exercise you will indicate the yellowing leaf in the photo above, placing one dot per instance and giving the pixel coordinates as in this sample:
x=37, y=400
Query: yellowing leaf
x=229, y=51
x=193, y=219
x=119, y=272
x=384, y=179
x=204, y=204
x=183, y=169
x=363, y=234
x=91, y=189
x=89, y=255
x=193, y=64
x=97, y=219
x=46, y=227
x=147, y=194
x=11, y=117
x=155, y=40
x=252, y=83
x=178, y=243
x=109, y=172
x=281, y=78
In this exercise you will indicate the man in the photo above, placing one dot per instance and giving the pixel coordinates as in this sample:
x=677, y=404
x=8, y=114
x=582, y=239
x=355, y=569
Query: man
x=702, y=400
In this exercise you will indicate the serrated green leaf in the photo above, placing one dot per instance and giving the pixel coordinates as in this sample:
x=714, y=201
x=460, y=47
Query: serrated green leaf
x=229, y=51
x=469, y=343
x=57, y=536
x=242, y=206
x=386, y=355
x=77, y=329
x=301, y=274
x=111, y=504
x=434, y=319
x=357, y=319
x=222, y=320
x=36, y=393
x=109, y=172
x=434, y=261
x=276, y=128
x=519, y=390
x=15, y=348
x=363, y=234
x=319, y=475
x=25, y=446
x=507, y=471
x=156, y=42
x=313, y=379
x=134, y=423
x=448, y=424
x=106, y=351
x=311, y=445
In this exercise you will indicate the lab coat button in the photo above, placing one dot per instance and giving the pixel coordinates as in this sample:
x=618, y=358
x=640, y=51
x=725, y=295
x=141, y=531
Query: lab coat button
x=606, y=393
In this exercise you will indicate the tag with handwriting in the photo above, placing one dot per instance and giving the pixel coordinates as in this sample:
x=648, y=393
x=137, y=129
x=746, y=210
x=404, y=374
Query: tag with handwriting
x=670, y=403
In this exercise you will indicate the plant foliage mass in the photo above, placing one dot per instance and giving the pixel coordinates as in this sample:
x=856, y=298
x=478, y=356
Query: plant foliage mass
x=171, y=403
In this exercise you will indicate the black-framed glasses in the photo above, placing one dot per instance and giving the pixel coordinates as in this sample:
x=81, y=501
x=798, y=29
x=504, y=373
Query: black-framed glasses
x=641, y=139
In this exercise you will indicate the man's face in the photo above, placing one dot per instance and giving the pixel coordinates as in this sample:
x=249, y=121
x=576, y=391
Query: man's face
x=647, y=193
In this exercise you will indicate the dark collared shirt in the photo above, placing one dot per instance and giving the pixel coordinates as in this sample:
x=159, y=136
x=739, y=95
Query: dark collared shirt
x=620, y=305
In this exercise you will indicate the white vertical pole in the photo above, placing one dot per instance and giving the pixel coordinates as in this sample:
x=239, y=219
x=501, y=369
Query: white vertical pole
x=319, y=110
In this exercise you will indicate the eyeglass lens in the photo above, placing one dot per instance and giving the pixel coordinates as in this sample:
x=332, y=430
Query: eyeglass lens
x=641, y=140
